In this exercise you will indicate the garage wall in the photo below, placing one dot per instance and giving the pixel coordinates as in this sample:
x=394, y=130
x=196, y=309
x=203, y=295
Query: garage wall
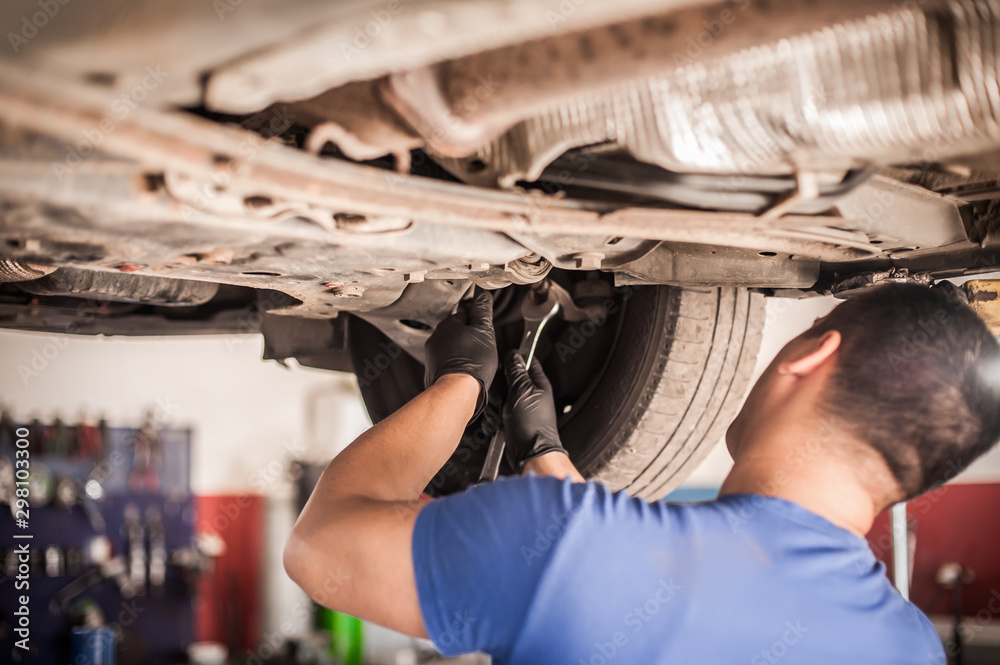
x=248, y=417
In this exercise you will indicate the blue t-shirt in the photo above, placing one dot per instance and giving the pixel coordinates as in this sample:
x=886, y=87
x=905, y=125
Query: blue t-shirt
x=538, y=570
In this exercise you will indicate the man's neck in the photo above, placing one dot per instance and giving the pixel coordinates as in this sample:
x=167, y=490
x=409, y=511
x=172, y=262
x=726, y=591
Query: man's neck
x=821, y=485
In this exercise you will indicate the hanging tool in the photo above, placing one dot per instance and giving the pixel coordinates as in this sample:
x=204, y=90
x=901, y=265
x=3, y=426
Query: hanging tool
x=135, y=534
x=157, y=550
x=113, y=569
x=146, y=458
x=58, y=441
x=539, y=307
x=7, y=428
x=88, y=442
x=36, y=437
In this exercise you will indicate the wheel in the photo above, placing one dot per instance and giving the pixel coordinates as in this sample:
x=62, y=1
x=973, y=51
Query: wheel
x=644, y=392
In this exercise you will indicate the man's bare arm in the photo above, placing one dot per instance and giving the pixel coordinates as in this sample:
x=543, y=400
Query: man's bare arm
x=555, y=464
x=357, y=527
x=351, y=547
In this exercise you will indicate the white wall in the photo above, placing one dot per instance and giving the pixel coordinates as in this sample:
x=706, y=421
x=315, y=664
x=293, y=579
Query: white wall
x=248, y=415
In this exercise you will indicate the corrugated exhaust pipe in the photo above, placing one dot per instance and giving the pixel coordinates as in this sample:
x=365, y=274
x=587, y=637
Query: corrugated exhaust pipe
x=917, y=83
x=18, y=271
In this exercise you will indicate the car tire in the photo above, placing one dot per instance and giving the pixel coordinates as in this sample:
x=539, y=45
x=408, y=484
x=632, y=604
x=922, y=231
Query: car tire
x=677, y=373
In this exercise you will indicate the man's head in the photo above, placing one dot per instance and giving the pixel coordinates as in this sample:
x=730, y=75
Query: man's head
x=908, y=371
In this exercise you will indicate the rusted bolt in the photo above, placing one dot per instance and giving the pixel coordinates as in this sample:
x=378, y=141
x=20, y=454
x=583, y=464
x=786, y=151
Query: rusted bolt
x=339, y=290
x=128, y=267
x=220, y=256
x=588, y=260
x=346, y=220
x=258, y=201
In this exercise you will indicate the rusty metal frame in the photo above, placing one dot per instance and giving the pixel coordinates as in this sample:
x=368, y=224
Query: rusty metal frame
x=190, y=147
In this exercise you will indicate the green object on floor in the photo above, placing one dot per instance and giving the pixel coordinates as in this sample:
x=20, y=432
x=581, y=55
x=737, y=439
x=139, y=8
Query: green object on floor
x=347, y=640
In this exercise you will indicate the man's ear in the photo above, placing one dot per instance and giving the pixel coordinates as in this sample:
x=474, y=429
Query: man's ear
x=812, y=354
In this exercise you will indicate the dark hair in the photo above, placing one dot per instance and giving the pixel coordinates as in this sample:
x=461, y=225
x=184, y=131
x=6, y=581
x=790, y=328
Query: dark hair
x=917, y=377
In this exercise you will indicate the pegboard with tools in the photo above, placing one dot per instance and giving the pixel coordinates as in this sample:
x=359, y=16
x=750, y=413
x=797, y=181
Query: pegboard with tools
x=109, y=545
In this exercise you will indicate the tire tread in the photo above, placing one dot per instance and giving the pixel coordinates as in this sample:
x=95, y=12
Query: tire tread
x=702, y=373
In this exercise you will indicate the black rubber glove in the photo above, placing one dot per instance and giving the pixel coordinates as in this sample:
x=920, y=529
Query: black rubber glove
x=465, y=343
x=529, y=414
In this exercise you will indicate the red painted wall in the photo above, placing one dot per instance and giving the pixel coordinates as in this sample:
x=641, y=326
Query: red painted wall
x=957, y=523
x=228, y=609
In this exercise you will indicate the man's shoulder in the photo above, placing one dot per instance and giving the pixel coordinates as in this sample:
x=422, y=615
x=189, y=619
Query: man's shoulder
x=598, y=503
x=542, y=502
x=543, y=491
x=547, y=493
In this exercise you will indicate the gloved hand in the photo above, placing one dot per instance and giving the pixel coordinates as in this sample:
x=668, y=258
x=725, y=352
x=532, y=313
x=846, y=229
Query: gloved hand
x=465, y=343
x=529, y=414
